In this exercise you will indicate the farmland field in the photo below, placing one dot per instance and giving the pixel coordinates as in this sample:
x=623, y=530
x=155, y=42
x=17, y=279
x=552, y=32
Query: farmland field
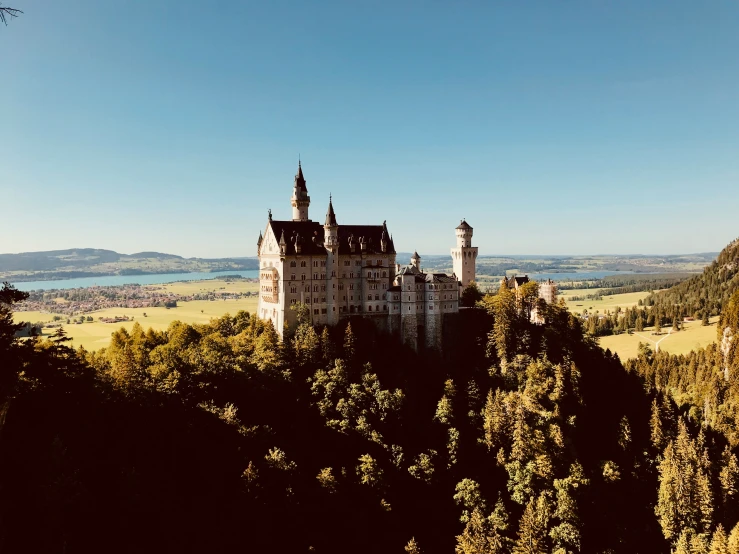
x=625, y=300
x=691, y=337
x=95, y=335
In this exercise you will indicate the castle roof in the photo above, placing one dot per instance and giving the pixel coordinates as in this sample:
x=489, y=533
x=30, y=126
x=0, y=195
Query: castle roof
x=515, y=282
x=330, y=215
x=300, y=180
x=464, y=225
x=309, y=234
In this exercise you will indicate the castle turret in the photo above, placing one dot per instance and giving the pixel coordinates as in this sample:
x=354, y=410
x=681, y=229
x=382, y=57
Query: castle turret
x=464, y=255
x=331, y=228
x=416, y=261
x=300, y=200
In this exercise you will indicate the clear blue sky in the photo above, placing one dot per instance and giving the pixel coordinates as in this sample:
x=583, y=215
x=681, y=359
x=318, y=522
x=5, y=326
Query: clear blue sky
x=553, y=127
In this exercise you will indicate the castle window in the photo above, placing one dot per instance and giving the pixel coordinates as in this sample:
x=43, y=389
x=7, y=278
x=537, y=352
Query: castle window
x=292, y=264
x=307, y=300
x=379, y=262
x=351, y=309
x=293, y=301
x=351, y=286
x=384, y=273
x=315, y=264
x=370, y=308
x=384, y=308
x=323, y=288
x=369, y=297
x=323, y=310
x=377, y=296
x=323, y=264
x=369, y=275
x=347, y=262
x=292, y=276
x=315, y=311
x=315, y=300
x=358, y=262
x=302, y=277
x=323, y=300
x=341, y=286
x=351, y=275
x=302, y=264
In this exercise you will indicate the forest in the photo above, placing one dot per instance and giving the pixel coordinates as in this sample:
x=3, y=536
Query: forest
x=521, y=438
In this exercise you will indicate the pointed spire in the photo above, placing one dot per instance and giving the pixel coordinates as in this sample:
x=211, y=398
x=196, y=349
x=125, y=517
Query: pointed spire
x=282, y=238
x=330, y=215
x=415, y=256
x=259, y=240
x=299, y=179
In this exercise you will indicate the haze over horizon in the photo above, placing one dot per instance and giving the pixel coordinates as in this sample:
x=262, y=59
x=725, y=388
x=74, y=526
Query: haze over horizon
x=580, y=127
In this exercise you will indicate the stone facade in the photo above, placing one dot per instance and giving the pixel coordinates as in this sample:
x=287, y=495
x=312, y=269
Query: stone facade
x=339, y=271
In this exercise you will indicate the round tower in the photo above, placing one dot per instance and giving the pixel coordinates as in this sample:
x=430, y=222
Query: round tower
x=331, y=228
x=300, y=200
x=416, y=261
x=464, y=255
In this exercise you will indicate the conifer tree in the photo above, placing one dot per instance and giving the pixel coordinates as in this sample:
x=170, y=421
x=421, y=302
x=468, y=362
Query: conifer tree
x=733, y=541
x=719, y=541
x=480, y=536
x=412, y=547
x=532, y=528
x=639, y=325
x=350, y=343
x=327, y=347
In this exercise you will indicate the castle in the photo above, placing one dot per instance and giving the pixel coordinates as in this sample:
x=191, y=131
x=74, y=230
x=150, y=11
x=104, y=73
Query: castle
x=339, y=271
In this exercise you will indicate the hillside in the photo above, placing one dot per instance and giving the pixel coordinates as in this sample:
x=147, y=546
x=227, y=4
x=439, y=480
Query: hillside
x=709, y=290
x=95, y=262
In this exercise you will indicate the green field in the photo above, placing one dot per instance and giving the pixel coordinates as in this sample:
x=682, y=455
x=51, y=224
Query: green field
x=691, y=337
x=626, y=300
x=96, y=335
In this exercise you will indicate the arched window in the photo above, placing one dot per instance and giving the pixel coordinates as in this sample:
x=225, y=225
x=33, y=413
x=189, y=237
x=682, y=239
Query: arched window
x=293, y=264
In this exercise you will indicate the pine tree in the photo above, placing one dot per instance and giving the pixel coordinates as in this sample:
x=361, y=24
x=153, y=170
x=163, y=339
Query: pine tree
x=705, y=322
x=655, y=423
x=480, y=537
x=719, y=541
x=350, y=343
x=412, y=547
x=657, y=323
x=639, y=325
x=533, y=528
x=729, y=479
x=733, y=542
x=327, y=347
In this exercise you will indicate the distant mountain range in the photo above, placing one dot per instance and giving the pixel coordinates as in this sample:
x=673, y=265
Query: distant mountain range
x=95, y=262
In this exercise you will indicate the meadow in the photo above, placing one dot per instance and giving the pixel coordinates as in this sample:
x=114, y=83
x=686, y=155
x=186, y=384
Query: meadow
x=692, y=336
x=606, y=303
x=96, y=334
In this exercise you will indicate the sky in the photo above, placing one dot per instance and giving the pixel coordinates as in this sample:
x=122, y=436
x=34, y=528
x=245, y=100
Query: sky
x=578, y=127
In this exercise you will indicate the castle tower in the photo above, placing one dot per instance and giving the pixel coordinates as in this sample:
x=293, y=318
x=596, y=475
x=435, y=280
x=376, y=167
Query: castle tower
x=331, y=243
x=464, y=255
x=331, y=228
x=300, y=199
x=416, y=261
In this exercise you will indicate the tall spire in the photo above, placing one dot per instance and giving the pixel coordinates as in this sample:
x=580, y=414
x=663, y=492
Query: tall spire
x=300, y=200
x=330, y=215
x=299, y=179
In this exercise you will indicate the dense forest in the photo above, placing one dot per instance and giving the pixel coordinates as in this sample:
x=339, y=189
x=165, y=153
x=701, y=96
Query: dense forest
x=520, y=438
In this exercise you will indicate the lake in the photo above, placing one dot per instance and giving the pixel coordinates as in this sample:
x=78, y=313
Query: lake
x=161, y=278
x=117, y=280
x=576, y=275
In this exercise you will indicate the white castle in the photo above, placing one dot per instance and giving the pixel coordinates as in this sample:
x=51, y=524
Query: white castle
x=340, y=271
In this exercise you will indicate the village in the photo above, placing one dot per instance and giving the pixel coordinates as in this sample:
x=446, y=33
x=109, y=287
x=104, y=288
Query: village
x=75, y=302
